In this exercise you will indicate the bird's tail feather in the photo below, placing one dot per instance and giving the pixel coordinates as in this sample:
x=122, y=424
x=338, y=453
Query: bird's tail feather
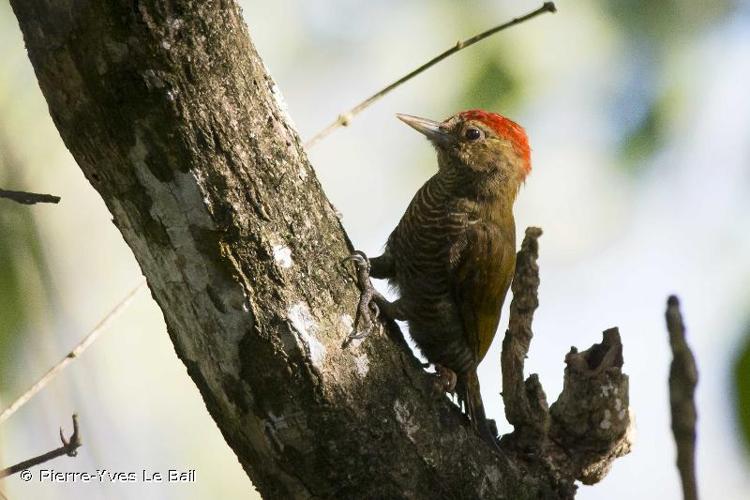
x=470, y=399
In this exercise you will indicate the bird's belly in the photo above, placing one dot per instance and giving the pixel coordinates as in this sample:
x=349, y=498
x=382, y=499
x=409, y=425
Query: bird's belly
x=434, y=318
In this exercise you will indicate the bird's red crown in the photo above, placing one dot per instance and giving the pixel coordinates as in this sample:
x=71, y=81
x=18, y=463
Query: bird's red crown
x=508, y=129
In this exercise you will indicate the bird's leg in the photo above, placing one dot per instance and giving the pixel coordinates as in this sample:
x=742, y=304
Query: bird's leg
x=371, y=302
x=445, y=380
x=364, y=308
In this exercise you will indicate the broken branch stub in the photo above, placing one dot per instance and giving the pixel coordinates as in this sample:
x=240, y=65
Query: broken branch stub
x=591, y=419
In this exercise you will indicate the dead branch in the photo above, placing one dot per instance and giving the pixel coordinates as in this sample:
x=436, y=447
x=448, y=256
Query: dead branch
x=683, y=379
x=591, y=417
x=525, y=402
x=27, y=198
x=586, y=429
x=69, y=447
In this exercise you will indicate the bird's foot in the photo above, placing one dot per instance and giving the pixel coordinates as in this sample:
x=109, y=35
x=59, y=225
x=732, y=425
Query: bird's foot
x=445, y=380
x=367, y=309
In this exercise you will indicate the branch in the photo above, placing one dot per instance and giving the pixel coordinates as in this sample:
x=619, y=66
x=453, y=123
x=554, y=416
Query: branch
x=525, y=403
x=346, y=118
x=683, y=378
x=28, y=198
x=84, y=344
x=19, y=196
x=591, y=417
x=69, y=447
x=587, y=428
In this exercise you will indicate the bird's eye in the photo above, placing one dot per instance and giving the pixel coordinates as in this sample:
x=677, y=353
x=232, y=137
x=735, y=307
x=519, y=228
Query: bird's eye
x=473, y=134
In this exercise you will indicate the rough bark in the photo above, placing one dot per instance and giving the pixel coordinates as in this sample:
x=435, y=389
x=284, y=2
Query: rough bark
x=172, y=117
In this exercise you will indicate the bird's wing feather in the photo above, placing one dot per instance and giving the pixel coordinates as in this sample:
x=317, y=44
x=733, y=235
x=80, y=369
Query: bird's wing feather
x=484, y=263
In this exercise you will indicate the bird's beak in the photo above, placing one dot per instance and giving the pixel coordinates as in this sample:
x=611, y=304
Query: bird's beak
x=430, y=128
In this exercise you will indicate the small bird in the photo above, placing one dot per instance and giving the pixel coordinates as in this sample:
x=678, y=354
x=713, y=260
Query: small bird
x=452, y=256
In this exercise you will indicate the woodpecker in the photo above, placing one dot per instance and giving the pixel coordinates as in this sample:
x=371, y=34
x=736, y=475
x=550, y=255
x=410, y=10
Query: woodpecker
x=452, y=256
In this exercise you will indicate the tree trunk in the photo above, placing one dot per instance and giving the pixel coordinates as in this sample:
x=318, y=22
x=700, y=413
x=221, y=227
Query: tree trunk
x=171, y=115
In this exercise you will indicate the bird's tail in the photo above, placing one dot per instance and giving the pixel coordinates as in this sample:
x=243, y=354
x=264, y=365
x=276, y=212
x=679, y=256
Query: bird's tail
x=470, y=399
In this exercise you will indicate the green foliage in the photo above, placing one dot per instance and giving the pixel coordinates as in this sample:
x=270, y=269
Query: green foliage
x=651, y=31
x=22, y=265
x=742, y=389
x=645, y=139
x=491, y=85
x=666, y=19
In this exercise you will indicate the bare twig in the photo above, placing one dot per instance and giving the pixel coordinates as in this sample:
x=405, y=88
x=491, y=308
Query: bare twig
x=345, y=118
x=69, y=447
x=525, y=403
x=77, y=351
x=28, y=198
x=683, y=378
x=7, y=158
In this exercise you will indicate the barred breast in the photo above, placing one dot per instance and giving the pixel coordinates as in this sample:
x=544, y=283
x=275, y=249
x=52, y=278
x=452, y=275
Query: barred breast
x=422, y=246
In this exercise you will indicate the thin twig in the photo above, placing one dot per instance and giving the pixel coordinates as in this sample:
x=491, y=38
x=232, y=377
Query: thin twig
x=77, y=351
x=69, y=447
x=28, y=198
x=8, y=159
x=345, y=118
x=683, y=378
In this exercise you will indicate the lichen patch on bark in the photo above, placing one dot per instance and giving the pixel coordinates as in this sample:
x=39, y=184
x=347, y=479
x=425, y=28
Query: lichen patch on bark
x=306, y=328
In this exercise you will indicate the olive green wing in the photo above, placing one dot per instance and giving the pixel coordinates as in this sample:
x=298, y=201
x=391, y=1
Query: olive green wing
x=483, y=267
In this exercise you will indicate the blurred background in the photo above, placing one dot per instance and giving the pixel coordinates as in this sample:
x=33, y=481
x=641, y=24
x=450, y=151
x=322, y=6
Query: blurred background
x=638, y=114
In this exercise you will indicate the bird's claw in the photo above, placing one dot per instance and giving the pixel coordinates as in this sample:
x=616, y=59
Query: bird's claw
x=355, y=335
x=360, y=260
x=375, y=310
x=367, y=310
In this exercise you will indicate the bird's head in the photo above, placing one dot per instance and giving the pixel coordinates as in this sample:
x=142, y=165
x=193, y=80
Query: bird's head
x=479, y=141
